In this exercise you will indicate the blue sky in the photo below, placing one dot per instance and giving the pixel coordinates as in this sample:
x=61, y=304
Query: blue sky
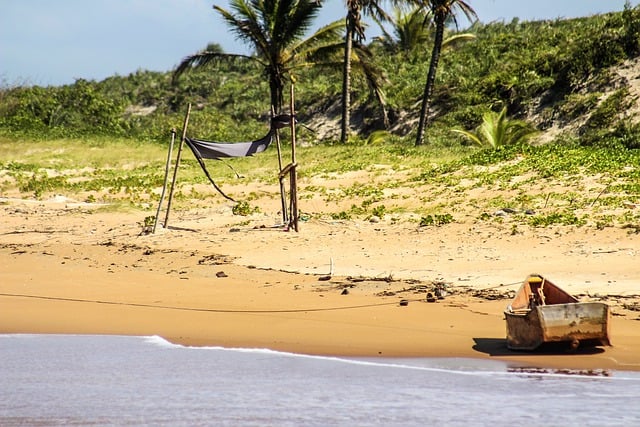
x=54, y=42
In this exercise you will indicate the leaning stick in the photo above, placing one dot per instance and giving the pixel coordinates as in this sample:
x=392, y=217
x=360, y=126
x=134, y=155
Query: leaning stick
x=175, y=170
x=166, y=178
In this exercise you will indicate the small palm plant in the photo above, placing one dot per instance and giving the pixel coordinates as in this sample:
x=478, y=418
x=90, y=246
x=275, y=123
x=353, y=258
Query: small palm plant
x=497, y=130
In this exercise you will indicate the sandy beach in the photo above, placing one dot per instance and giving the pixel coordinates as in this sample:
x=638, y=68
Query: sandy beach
x=333, y=288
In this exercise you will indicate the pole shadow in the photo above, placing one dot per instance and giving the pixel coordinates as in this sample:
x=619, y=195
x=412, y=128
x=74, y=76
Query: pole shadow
x=176, y=228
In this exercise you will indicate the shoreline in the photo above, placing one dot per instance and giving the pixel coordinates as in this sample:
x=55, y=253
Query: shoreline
x=209, y=282
x=306, y=321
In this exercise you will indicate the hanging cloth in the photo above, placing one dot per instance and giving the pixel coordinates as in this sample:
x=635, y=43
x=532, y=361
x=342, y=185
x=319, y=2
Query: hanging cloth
x=218, y=150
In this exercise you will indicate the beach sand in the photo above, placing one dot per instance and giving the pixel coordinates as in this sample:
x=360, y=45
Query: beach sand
x=333, y=288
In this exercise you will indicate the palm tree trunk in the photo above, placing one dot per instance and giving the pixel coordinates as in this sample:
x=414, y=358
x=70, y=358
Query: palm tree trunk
x=346, y=83
x=275, y=87
x=431, y=79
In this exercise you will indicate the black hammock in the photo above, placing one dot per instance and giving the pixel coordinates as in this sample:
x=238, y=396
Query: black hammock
x=218, y=150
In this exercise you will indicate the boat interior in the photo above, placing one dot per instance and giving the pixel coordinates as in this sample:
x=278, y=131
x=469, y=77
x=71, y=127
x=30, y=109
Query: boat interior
x=537, y=290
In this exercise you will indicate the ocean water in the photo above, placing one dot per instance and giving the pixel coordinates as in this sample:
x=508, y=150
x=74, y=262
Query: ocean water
x=51, y=380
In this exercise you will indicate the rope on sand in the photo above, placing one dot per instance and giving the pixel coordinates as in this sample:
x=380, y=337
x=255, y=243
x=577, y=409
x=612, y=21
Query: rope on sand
x=206, y=310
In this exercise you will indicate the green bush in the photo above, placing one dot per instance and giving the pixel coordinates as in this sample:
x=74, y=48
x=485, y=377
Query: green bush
x=543, y=68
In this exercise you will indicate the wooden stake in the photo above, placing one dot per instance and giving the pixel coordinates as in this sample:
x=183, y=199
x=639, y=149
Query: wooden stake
x=166, y=178
x=175, y=170
x=293, y=173
x=283, y=191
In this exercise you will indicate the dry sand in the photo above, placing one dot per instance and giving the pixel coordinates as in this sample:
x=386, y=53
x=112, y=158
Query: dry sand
x=213, y=278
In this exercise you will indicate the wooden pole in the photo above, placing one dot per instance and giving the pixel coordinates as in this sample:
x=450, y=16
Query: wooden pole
x=175, y=170
x=166, y=178
x=293, y=190
x=283, y=191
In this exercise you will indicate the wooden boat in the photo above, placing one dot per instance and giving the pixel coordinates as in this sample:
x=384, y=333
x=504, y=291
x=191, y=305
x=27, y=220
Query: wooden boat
x=541, y=312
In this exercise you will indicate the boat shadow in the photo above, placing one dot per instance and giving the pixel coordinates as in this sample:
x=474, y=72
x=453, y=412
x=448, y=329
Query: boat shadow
x=498, y=347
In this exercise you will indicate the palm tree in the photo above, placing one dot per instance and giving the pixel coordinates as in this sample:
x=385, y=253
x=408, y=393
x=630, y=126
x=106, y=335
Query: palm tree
x=275, y=30
x=442, y=10
x=410, y=30
x=413, y=29
x=355, y=34
x=498, y=130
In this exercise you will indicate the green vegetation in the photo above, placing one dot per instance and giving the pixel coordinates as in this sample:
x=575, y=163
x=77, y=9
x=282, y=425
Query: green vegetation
x=105, y=142
x=549, y=73
x=497, y=130
x=436, y=220
x=275, y=31
x=562, y=184
x=441, y=11
x=243, y=208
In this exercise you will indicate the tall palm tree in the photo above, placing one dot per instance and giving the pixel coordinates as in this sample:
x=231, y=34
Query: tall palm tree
x=442, y=10
x=355, y=33
x=275, y=30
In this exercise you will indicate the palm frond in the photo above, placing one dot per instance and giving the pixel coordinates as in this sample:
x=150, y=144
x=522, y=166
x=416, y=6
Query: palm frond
x=205, y=58
x=321, y=45
x=457, y=39
x=293, y=20
x=447, y=9
x=412, y=29
x=362, y=59
x=466, y=8
x=498, y=130
x=245, y=24
x=472, y=136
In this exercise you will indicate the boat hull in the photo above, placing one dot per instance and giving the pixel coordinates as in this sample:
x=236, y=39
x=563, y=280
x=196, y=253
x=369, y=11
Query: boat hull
x=572, y=323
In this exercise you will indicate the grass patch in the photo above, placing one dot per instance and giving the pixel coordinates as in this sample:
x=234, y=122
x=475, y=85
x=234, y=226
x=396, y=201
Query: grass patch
x=560, y=184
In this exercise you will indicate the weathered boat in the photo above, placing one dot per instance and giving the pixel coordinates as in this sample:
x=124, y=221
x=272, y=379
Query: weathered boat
x=541, y=312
